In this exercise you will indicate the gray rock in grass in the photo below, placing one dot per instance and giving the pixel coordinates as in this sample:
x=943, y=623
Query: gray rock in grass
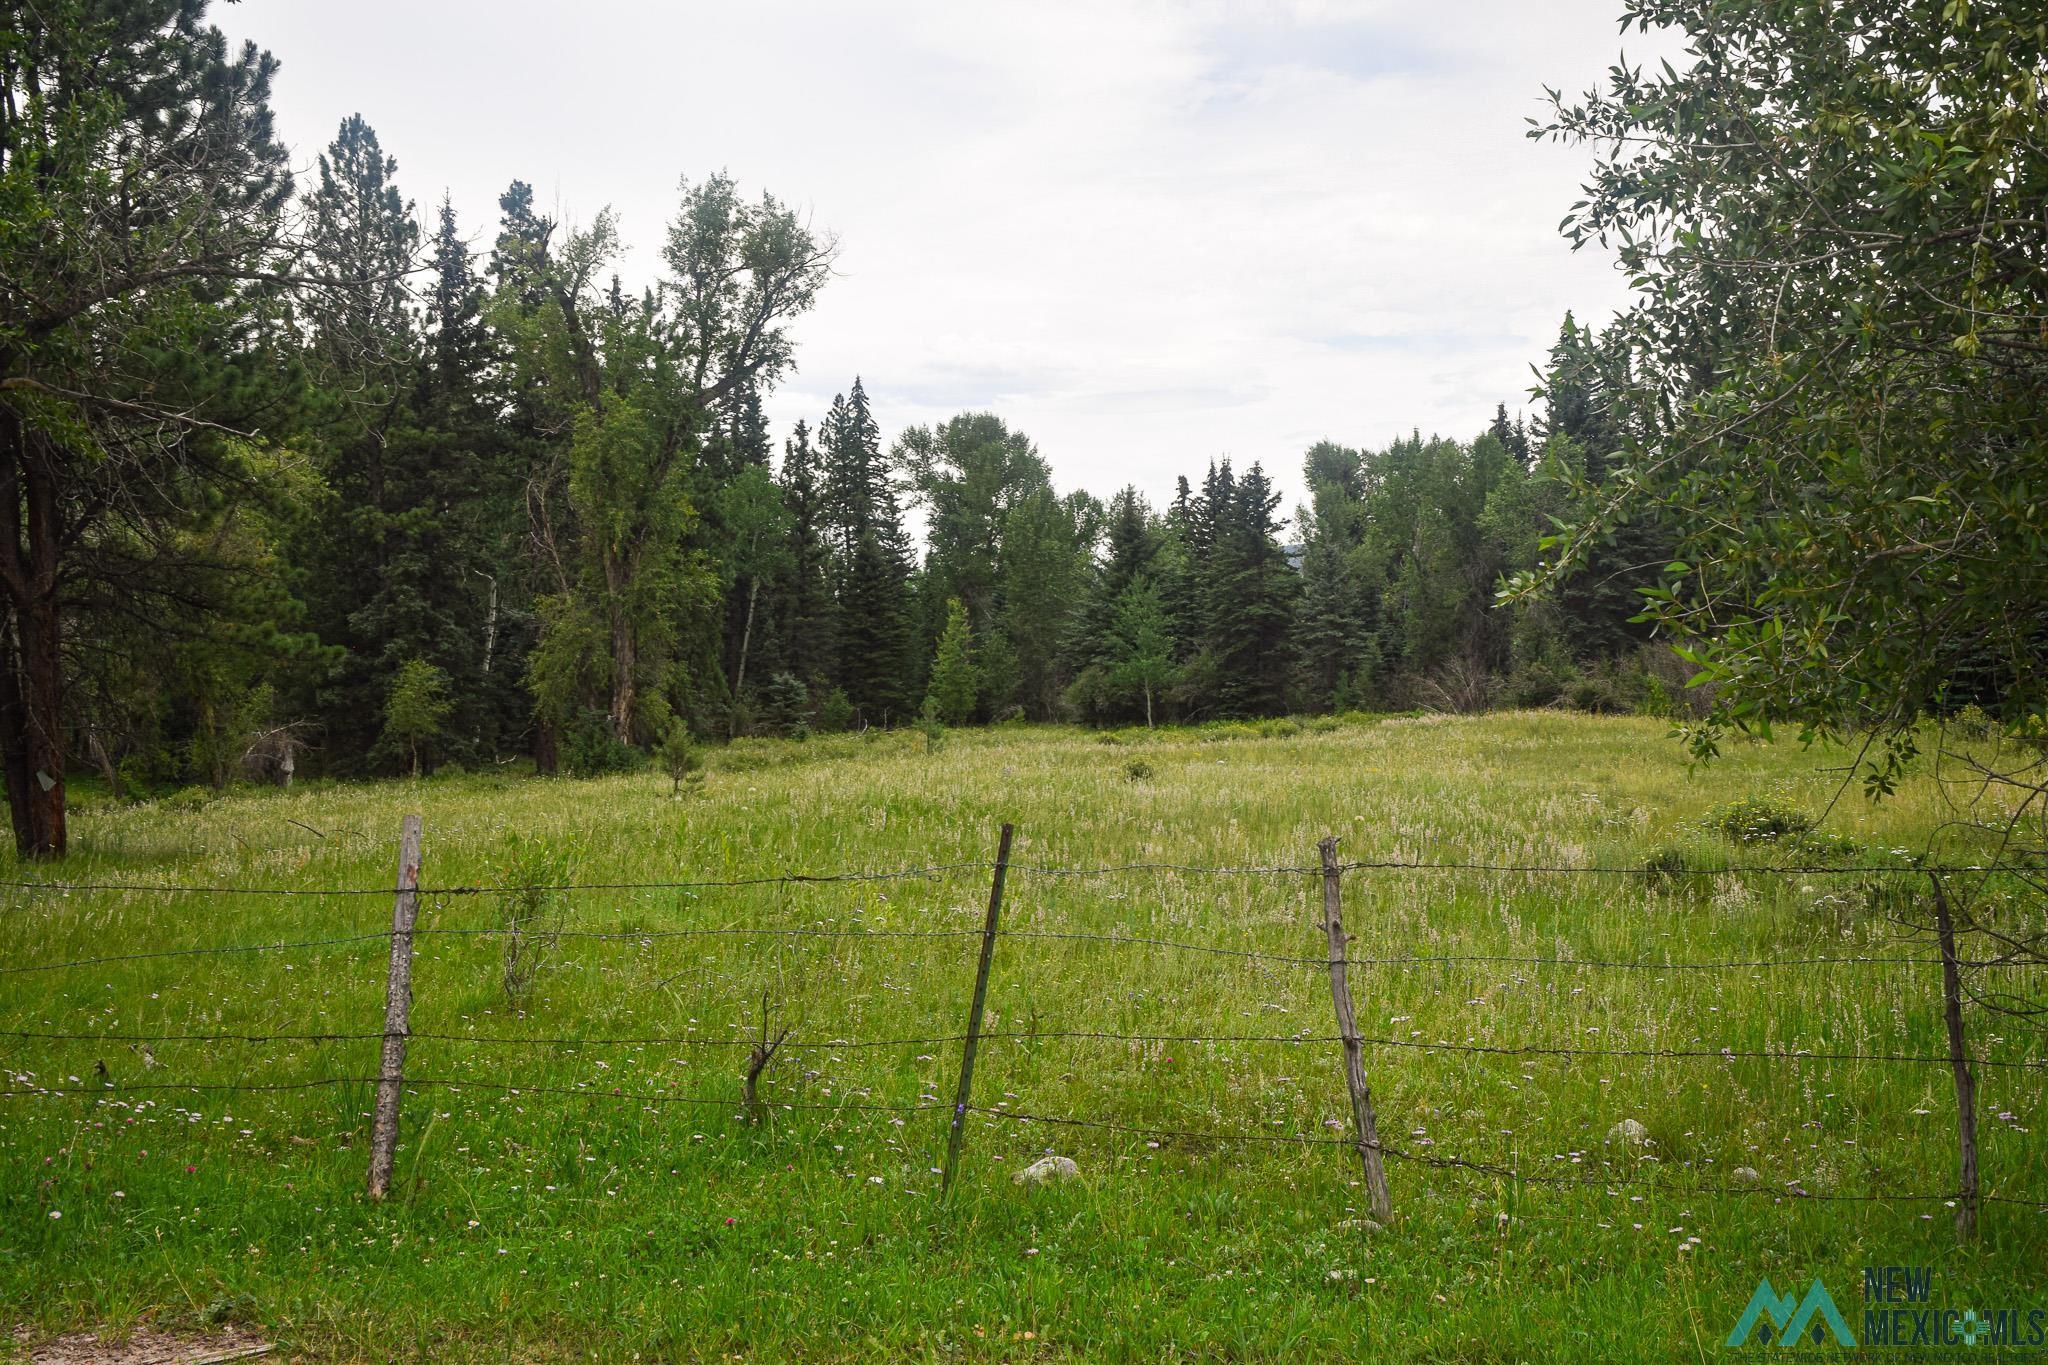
x=1047, y=1170
x=1630, y=1132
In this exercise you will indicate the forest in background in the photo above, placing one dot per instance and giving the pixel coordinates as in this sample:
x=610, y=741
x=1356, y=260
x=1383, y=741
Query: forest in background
x=502, y=506
x=292, y=481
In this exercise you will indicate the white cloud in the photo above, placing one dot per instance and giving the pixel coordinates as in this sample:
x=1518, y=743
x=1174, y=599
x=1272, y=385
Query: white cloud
x=1147, y=234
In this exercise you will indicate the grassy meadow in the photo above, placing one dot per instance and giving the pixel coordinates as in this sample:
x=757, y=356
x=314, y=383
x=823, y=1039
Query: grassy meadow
x=563, y=1200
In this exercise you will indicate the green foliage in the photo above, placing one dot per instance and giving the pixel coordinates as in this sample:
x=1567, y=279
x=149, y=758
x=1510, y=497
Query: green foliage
x=1667, y=869
x=1973, y=724
x=531, y=901
x=931, y=725
x=416, y=707
x=1832, y=377
x=590, y=749
x=1137, y=770
x=1141, y=658
x=955, y=678
x=835, y=713
x=1759, y=820
x=681, y=760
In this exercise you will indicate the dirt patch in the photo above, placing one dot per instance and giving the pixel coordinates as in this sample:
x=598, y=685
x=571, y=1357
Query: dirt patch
x=147, y=1346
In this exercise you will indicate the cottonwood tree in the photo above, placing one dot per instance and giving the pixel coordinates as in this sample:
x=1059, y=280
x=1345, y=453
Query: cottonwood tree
x=1835, y=374
x=634, y=385
x=1835, y=383
x=142, y=198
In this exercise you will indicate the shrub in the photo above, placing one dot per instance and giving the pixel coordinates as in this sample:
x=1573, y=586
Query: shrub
x=931, y=726
x=1667, y=869
x=835, y=713
x=1758, y=820
x=187, y=799
x=1137, y=770
x=1972, y=724
x=681, y=760
x=1821, y=846
x=590, y=749
x=1656, y=702
x=531, y=904
x=1603, y=693
x=1533, y=684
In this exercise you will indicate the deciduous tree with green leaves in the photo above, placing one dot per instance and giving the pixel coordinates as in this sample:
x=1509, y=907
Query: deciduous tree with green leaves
x=1836, y=367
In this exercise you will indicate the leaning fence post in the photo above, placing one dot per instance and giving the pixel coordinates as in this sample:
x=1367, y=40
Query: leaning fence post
x=397, y=1011
x=1959, y=1064
x=967, y=1050
x=1347, y=1025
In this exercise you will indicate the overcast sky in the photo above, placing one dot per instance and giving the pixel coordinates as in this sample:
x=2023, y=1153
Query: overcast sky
x=1147, y=235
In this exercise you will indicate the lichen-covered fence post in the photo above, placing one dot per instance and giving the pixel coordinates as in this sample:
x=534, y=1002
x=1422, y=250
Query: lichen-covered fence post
x=397, y=1012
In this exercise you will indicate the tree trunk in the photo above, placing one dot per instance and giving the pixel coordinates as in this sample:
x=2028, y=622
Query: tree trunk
x=618, y=578
x=547, y=755
x=1148, y=706
x=39, y=639
x=43, y=733
x=739, y=675
x=625, y=663
x=105, y=762
x=13, y=732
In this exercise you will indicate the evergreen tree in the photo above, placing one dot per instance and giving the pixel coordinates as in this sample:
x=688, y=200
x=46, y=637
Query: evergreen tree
x=1250, y=597
x=145, y=193
x=1335, y=653
x=365, y=358
x=953, y=675
x=1131, y=543
x=1043, y=571
x=809, y=624
x=877, y=635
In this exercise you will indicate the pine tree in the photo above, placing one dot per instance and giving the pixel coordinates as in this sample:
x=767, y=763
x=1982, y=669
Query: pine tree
x=1336, y=658
x=1250, y=597
x=1131, y=543
x=953, y=677
x=366, y=359
x=877, y=636
x=809, y=617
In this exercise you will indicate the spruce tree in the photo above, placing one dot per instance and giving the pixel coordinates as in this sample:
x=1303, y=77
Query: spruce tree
x=809, y=616
x=953, y=676
x=877, y=637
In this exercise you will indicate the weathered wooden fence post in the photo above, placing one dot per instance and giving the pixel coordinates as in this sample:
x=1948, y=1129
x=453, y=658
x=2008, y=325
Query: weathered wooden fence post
x=397, y=1012
x=1347, y=1025
x=1958, y=1062
x=967, y=1050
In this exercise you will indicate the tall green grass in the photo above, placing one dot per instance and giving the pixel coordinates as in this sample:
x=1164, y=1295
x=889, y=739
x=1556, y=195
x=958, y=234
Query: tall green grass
x=554, y=1200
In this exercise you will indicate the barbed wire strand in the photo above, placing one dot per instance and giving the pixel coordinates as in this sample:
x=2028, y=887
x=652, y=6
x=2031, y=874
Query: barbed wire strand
x=1703, y=1054
x=1031, y=869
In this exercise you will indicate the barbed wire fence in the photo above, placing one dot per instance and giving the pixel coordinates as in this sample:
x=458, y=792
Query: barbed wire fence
x=391, y=1081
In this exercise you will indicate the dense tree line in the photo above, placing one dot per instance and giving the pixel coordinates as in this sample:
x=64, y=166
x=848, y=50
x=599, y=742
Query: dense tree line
x=297, y=481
